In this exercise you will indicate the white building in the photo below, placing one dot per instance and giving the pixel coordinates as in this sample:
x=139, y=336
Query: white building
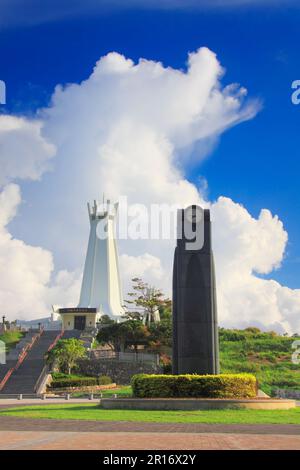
x=101, y=286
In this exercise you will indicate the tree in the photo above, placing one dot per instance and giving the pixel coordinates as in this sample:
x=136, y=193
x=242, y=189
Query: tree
x=144, y=302
x=136, y=329
x=161, y=333
x=66, y=353
x=253, y=329
x=135, y=333
x=105, y=320
x=118, y=335
x=113, y=335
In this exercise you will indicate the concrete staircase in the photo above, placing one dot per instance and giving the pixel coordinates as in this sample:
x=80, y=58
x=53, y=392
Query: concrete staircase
x=23, y=380
x=87, y=337
x=4, y=368
x=68, y=334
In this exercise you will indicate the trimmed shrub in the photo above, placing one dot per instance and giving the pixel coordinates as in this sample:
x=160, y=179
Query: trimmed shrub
x=167, y=368
x=194, y=386
x=74, y=382
x=104, y=380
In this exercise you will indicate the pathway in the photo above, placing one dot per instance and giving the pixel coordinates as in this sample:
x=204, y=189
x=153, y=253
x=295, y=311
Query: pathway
x=23, y=433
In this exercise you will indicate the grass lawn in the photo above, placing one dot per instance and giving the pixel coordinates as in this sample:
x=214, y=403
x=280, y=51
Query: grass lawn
x=264, y=354
x=11, y=338
x=91, y=411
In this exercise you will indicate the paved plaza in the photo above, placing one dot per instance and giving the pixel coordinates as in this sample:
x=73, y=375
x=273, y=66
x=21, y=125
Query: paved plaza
x=43, y=434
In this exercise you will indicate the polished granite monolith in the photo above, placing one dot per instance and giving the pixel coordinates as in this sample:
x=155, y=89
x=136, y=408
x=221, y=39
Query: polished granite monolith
x=195, y=326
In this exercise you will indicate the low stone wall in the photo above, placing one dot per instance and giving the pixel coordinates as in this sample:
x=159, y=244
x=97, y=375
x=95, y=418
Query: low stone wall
x=196, y=404
x=119, y=372
x=89, y=388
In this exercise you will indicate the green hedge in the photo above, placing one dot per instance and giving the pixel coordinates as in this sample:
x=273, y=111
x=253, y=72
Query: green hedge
x=198, y=386
x=104, y=380
x=74, y=382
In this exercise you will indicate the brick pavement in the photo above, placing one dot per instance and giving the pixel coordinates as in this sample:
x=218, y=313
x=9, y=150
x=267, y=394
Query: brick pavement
x=13, y=423
x=23, y=433
x=33, y=440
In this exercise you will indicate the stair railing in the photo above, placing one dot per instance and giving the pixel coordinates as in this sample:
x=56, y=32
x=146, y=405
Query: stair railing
x=6, y=377
x=58, y=337
x=21, y=358
x=27, y=348
x=45, y=372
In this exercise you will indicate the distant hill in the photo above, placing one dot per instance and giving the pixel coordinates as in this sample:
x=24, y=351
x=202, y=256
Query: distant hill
x=267, y=355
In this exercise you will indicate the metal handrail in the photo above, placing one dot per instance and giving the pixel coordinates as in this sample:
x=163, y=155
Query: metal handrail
x=58, y=337
x=27, y=348
x=6, y=377
x=21, y=358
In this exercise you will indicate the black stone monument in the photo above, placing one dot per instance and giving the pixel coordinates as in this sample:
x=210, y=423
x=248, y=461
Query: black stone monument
x=195, y=327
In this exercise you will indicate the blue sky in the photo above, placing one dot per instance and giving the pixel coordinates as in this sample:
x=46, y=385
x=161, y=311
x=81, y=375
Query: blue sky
x=255, y=163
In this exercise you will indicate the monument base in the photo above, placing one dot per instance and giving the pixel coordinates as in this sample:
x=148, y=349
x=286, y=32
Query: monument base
x=196, y=404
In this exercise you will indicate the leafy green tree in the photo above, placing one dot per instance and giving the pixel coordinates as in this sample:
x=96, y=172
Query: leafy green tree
x=253, y=329
x=135, y=333
x=127, y=333
x=66, y=353
x=138, y=327
x=113, y=335
x=105, y=320
x=161, y=333
x=145, y=301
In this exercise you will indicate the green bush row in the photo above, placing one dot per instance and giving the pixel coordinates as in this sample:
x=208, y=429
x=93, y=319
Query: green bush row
x=63, y=383
x=194, y=386
x=80, y=381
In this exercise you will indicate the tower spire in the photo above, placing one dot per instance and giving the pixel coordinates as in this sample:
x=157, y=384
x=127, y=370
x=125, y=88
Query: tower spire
x=101, y=285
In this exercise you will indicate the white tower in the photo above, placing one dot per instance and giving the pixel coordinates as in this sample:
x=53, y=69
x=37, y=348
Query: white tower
x=101, y=285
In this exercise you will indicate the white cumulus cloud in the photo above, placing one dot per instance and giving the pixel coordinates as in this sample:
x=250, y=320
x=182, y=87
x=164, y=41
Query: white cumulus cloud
x=129, y=129
x=25, y=271
x=244, y=247
x=24, y=154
